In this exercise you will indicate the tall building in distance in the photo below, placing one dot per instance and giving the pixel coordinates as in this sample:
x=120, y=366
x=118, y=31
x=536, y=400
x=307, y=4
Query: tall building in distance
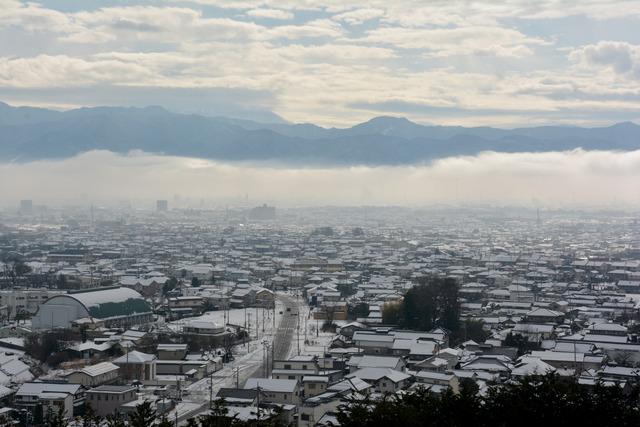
x=162, y=205
x=263, y=212
x=26, y=207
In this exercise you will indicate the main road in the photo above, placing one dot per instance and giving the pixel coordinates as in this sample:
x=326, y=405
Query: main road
x=250, y=365
x=283, y=336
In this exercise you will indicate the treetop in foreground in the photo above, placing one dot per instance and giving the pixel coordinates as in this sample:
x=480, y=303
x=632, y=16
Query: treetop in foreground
x=538, y=400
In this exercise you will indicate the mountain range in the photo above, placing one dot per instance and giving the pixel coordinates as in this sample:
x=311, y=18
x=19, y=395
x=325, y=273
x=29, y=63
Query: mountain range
x=28, y=134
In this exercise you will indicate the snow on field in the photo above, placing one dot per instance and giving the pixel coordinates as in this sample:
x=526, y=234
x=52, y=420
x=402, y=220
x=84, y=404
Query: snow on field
x=247, y=358
x=314, y=342
x=237, y=317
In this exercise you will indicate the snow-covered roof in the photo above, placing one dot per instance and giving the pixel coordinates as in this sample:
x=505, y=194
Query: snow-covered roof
x=270, y=384
x=99, y=369
x=37, y=388
x=110, y=302
x=375, y=374
x=135, y=357
x=532, y=366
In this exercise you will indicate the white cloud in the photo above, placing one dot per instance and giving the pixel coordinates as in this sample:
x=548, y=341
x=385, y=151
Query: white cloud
x=320, y=64
x=358, y=16
x=561, y=179
x=492, y=41
x=45, y=71
x=622, y=57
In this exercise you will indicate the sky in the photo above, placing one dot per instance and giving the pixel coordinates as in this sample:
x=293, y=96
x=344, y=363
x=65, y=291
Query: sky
x=330, y=62
x=335, y=63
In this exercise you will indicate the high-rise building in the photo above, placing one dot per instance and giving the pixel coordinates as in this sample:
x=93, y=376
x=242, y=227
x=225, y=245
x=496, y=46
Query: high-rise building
x=162, y=205
x=26, y=206
x=263, y=212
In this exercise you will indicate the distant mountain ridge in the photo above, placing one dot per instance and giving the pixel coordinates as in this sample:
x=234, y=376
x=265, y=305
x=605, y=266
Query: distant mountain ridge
x=34, y=133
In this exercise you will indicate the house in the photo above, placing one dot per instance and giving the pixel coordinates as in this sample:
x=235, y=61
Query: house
x=531, y=366
x=136, y=365
x=313, y=385
x=314, y=408
x=274, y=390
x=242, y=297
x=367, y=361
x=51, y=395
x=544, y=315
x=238, y=396
x=202, y=325
x=489, y=363
x=533, y=331
x=519, y=293
x=172, y=351
x=187, y=305
x=331, y=310
x=564, y=360
x=350, y=328
x=107, y=399
x=441, y=379
x=384, y=380
x=13, y=370
x=300, y=362
x=265, y=298
x=89, y=349
x=95, y=375
x=146, y=286
x=373, y=343
x=354, y=384
x=611, y=329
x=193, y=369
x=445, y=360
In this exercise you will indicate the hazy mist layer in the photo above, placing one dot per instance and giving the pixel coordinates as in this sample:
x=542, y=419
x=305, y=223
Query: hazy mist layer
x=558, y=179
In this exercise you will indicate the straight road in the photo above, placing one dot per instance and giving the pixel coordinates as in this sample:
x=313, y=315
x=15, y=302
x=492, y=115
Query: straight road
x=249, y=365
x=283, y=336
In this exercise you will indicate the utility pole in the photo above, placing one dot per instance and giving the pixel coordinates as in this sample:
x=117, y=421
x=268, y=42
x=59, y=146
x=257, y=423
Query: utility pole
x=249, y=332
x=211, y=390
x=298, y=333
x=258, y=402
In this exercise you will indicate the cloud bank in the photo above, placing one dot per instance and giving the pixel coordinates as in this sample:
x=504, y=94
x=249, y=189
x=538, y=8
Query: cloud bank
x=331, y=62
x=553, y=180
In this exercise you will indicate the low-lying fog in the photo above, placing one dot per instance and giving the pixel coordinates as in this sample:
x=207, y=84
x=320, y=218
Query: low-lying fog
x=557, y=179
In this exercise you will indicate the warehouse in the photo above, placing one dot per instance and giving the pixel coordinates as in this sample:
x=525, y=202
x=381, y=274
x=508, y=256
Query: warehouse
x=110, y=307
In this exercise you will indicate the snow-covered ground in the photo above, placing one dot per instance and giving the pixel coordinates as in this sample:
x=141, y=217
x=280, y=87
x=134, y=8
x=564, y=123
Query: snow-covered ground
x=184, y=411
x=237, y=317
x=247, y=358
x=314, y=342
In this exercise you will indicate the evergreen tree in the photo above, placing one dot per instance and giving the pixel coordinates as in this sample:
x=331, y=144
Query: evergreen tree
x=547, y=401
x=90, y=418
x=164, y=422
x=144, y=415
x=431, y=303
x=114, y=420
x=56, y=418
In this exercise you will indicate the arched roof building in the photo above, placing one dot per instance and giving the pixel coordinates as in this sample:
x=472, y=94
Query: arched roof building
x=112, y=306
